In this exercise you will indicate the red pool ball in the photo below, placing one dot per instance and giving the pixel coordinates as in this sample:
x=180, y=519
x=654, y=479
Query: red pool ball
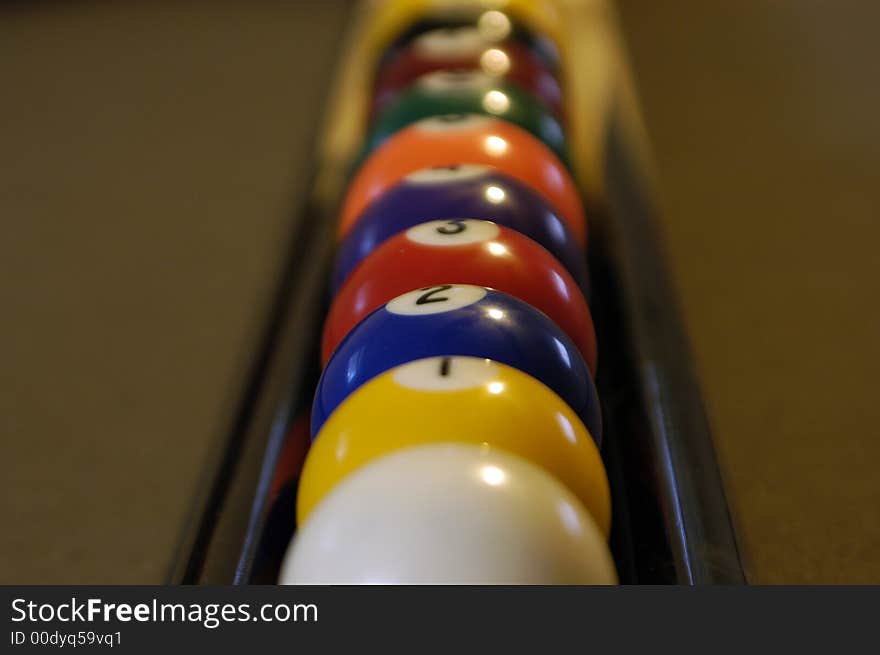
x=462, y=251
x=292, y=456
x=466, y=48
x=465, y=139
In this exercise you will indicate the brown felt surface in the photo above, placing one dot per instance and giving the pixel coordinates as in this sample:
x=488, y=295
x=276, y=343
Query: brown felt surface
x=151, y=156
x=764, y=121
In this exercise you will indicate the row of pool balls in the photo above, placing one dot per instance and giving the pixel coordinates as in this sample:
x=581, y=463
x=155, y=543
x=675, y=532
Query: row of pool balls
x=456, y=426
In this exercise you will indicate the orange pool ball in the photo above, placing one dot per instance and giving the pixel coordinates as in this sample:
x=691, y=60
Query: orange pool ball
x=466, y=139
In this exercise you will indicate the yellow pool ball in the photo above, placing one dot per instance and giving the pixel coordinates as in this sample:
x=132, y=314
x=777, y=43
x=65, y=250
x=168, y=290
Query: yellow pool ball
x=392, y=17
x=461, y=400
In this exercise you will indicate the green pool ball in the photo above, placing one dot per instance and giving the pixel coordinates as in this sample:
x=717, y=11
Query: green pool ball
x=468, y=92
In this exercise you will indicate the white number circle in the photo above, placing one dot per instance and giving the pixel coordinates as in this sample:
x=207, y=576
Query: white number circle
x=453, y=173
x=453, y=232
x=446, y=373
x=456, y=42
x=443, y=81
x=453, y=122
x=436, y=300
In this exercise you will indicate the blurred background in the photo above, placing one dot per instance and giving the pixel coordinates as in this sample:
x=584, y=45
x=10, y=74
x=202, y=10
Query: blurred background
x=151, y=159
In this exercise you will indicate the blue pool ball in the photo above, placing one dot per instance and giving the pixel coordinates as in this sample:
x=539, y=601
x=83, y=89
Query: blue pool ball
x=459, y=319
x=463, y=191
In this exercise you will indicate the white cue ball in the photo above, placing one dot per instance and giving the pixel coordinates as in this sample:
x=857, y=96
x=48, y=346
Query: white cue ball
x=449, y=514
